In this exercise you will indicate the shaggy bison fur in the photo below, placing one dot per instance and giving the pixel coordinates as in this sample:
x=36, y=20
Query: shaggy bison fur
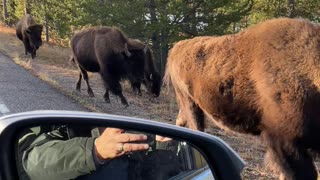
x=109, y=52
x=29, y=32
x=264, y=81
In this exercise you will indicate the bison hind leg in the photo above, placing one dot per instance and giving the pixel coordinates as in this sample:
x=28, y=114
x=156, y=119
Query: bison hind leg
x=190, y=114
x=293, y=161
x=86, y=78
x=78, y=84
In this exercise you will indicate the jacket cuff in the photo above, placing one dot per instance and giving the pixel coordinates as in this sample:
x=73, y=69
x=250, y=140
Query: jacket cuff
x=89, y=155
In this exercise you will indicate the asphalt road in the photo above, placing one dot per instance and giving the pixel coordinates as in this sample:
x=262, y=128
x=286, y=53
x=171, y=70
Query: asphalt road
x=20, y=91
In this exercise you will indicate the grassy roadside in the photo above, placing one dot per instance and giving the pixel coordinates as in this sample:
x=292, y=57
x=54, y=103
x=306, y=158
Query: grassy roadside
x=49, y=55
x=53, y=66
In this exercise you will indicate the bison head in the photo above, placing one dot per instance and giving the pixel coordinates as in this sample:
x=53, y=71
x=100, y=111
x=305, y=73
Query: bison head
x=34, y=35
x=153, y=83
x=135, y=66
x=153, y=79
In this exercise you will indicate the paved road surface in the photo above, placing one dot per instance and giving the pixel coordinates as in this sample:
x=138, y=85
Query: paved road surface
x=20, y=91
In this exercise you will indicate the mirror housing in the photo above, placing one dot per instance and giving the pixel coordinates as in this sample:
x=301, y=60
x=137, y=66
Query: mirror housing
x=222, y=160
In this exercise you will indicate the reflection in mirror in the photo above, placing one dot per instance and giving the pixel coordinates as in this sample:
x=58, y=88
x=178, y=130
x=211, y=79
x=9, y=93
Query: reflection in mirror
x=77, y=152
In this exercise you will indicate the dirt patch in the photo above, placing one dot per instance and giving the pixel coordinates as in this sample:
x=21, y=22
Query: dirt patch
x=52, y=65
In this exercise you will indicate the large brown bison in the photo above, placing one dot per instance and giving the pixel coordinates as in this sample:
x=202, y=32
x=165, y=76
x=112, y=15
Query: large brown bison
x=263, y=81
x=29, y=32
x=109, y=52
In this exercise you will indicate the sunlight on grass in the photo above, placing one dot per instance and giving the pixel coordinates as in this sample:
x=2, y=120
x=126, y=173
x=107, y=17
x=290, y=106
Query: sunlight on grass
x=6, y=29
x=48, y=53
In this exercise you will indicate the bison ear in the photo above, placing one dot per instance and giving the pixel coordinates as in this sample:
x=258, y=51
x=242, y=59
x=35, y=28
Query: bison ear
x=41, y=26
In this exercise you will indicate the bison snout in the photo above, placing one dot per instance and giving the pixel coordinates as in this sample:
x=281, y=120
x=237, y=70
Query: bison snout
x=155, y=95
x=38, y=45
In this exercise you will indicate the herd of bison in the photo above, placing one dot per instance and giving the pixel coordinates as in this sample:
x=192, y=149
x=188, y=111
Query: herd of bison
x=262, y=81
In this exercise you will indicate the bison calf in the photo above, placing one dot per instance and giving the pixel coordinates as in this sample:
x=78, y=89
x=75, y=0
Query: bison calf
x=30, y=34
x=264, y=81
x=109, y=52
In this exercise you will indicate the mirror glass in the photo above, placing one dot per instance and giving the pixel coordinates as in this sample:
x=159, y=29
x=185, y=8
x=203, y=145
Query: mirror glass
x=78, y=152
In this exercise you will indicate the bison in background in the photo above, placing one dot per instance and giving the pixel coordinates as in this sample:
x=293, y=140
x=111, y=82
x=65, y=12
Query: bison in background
x=29, y=32
x=151, y=72
x=109, y=52
x=264, y=81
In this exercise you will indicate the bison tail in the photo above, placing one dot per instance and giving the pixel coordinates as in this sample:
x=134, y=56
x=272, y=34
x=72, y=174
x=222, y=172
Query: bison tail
x=71, y=60
x=167, y=82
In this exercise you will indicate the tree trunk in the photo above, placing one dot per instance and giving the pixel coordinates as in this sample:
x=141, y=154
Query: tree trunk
x=47, y=28
x=46, y=21
x=291, y=13
x=164, y=52
x=155, y=34
x=27, y=9
x=5, y=12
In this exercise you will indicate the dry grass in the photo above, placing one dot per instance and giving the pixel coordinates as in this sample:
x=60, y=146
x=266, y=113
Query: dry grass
x=6, y=30
x=47, y=54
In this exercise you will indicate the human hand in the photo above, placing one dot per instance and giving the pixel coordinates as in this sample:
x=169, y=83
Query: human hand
x=114, y=142
x=162, y=139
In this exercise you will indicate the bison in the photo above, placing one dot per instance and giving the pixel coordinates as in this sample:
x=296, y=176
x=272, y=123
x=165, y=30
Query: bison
x=109, y=52
x=263, y=81
x=29, y=32
x=151, y=72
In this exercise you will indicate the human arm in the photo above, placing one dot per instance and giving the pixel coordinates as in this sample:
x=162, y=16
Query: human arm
x=51, y=156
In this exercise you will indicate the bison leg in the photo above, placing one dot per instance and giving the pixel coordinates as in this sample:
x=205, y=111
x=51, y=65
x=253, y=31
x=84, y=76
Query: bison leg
x=26, y=46
x=123, y=100
x=106, y=96
x=190, y=114
x=293, y=161
x=33, y=54
x=78, y=85
x=136, y=88
x=113, y=83
x=86, y=78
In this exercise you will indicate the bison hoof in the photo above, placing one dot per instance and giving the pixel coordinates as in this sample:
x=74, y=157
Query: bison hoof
x=107, y=100
x=90, y=92
x=78, y=88
x=125, y=105
x=124, y=102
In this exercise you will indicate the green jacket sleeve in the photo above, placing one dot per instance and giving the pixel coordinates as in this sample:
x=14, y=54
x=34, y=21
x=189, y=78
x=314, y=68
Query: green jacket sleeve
x=48, y=158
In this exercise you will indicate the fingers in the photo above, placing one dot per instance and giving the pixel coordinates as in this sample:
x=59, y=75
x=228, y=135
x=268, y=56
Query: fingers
x=115, y=130
x=129, y=147
x=162, y=139
x=127, y=137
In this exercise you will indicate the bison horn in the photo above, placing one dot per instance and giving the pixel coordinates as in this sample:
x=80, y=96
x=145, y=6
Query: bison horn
x=145, y=49
x=28, y=31
x=126, y=51
x=150, y=77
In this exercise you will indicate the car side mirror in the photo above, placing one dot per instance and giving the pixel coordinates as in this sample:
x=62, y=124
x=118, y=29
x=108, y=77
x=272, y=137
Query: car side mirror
x=33, y=141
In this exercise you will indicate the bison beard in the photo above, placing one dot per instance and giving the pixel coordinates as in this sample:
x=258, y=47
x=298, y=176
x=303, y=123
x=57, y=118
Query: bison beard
x=30, y=34
x=110, y=53
x=263, y=81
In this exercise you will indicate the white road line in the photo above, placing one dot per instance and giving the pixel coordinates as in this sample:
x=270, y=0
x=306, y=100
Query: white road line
x=3, y=108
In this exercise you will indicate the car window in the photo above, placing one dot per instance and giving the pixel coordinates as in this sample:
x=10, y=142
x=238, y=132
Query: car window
x=41, y=150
